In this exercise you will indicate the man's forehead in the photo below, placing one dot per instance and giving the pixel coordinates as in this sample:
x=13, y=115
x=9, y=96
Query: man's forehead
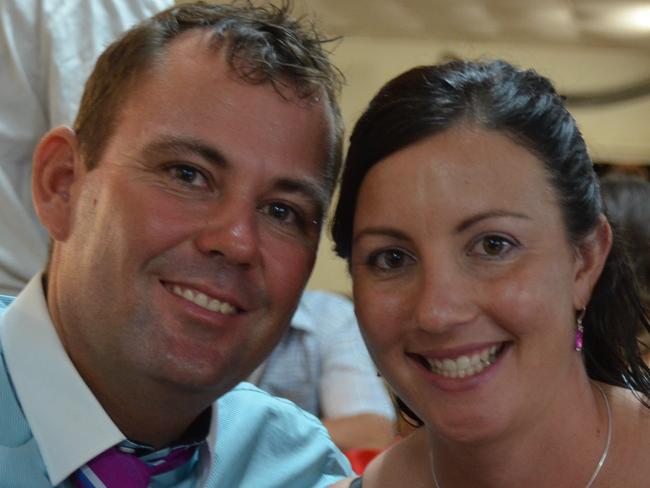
x=200, y=46
x=199, y=41
x=192, y=62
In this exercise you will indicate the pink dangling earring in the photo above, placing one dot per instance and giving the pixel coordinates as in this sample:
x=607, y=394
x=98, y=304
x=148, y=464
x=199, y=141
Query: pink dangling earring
x=580, y=330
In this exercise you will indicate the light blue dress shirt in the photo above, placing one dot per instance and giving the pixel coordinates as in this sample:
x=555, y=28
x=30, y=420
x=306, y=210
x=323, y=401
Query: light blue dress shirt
x=255, y=441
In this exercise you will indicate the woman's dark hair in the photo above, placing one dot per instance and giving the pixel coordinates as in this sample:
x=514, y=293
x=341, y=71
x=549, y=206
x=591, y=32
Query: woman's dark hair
x=627, y=205
x=524, y=106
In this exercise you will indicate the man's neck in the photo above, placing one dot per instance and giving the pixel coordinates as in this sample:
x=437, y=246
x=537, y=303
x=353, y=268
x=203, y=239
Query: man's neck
x=158, y=423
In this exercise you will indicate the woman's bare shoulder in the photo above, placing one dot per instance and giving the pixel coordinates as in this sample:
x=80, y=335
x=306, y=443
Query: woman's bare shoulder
x=627, y=463
x=405, y=463
x=628, y=408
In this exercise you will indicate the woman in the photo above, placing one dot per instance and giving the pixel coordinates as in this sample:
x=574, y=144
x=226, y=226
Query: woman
x=488, y=289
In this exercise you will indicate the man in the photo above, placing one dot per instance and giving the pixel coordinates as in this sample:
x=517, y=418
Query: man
x=185, y=209
x=323, y=366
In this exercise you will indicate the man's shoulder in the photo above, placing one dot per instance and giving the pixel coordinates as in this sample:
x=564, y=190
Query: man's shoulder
x=5, y=301
x=258, y=407
x=14, y=429
x=263, y=440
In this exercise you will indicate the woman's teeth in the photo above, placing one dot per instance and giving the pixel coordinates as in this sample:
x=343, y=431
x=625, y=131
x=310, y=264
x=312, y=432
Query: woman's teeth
x=463, y=366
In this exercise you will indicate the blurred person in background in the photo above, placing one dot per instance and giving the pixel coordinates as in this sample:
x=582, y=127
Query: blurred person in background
x=322, y=365
x=47, y=51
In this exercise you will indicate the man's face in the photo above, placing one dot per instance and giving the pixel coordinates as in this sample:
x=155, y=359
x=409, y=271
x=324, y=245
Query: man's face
x=191, y=241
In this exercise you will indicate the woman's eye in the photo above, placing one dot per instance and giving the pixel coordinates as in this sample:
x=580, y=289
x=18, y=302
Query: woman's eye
x=492, y=246
x=188, y=175
x=389, y=259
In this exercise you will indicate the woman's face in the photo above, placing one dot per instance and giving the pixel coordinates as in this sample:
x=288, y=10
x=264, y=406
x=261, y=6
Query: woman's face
x=465, y=284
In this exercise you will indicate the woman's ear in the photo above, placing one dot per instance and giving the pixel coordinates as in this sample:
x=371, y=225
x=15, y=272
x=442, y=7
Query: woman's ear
x=591, y=255
x=56, y=164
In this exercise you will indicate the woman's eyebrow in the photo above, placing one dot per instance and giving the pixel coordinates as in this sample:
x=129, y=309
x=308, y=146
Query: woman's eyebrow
x=490, y=214
x=380, y=231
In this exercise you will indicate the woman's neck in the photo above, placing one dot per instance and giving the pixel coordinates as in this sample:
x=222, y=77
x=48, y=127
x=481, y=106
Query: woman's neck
x=559, y=445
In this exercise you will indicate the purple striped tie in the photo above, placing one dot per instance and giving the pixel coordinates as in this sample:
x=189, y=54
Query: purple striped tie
x=116, y=469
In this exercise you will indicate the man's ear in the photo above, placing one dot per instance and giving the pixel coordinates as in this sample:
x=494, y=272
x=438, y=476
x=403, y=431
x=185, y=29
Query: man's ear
x=56, y=166
x=591, y=255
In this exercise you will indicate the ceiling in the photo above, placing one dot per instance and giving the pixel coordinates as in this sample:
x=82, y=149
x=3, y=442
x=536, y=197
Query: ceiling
x=608, y=23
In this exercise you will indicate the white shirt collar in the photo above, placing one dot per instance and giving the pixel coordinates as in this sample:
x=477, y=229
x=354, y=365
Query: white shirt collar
x=49, y=387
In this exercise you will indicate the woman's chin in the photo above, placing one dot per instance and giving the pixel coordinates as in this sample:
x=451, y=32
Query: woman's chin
x=469, y=428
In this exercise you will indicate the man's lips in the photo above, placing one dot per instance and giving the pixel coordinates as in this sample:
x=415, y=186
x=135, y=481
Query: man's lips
x=203, y=300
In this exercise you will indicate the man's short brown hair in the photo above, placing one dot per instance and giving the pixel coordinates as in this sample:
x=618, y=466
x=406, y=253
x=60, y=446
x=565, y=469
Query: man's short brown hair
x=263, y=45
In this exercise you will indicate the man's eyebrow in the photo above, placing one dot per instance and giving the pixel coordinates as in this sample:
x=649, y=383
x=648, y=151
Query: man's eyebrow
x=491, y=214
x=309, y=189
x=185, y=145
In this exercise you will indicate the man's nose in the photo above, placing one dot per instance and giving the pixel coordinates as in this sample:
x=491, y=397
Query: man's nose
x=232, y=232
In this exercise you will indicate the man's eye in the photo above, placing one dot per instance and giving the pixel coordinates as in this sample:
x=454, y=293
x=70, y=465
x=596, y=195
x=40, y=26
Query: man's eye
x=389, y=259
x=188, y=175
x=282, y=212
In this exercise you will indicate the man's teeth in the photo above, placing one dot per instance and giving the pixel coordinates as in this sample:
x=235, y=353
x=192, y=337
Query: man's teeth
x=204, y=301
x=463, y=366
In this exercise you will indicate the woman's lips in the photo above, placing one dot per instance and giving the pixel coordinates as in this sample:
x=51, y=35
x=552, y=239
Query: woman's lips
x=463, y=365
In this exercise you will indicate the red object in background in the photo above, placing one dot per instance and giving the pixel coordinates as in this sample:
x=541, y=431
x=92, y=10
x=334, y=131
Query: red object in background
x=360, y=458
